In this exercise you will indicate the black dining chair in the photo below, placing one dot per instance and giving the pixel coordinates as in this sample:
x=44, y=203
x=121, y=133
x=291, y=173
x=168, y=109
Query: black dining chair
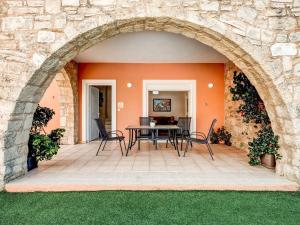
x=201, y=138
x=184, y=133
x=144, y=134
x=106, y=136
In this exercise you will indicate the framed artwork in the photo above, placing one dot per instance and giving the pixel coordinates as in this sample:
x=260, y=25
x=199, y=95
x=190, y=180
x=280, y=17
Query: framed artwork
x=161, y=105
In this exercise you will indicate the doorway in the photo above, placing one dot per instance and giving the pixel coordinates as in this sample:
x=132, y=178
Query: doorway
x=99, y=101
x=100, y=104
x=161, y=86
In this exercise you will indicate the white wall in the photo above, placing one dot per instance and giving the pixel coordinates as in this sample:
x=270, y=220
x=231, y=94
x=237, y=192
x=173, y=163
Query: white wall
x=150, y=47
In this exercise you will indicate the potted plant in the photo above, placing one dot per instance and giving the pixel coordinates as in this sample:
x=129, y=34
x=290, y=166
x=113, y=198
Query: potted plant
x=221, y=136
x=264, y=148
x=42, y=146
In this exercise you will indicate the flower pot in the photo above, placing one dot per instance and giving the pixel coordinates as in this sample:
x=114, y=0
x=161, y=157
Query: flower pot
x=268, y=161
x=31, y=163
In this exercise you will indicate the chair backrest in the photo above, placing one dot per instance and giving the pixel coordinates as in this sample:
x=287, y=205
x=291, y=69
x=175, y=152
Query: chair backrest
x=211, y=128
x=145, y=121
x=102, y=130
x=184, y=123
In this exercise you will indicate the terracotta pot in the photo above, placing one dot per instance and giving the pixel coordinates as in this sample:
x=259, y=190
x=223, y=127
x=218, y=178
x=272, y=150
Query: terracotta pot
x=268, y=160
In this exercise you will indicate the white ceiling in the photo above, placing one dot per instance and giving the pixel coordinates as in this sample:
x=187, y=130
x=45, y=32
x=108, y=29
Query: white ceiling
x=150, y=47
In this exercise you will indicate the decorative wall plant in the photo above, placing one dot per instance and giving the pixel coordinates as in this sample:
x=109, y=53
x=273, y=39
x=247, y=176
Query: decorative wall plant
x=252, y=109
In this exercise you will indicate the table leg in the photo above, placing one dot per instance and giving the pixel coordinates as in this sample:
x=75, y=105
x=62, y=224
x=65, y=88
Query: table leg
x=135, y=137
x=129, y=142
x=156, y=136
x=176, y=143
x=173, y=140
x=131, y=137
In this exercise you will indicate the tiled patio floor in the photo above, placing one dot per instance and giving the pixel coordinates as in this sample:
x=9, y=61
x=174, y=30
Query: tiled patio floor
x=77, y=168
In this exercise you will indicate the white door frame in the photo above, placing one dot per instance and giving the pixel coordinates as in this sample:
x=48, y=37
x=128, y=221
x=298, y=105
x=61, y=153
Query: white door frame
x=173, y=85
x=86, y=105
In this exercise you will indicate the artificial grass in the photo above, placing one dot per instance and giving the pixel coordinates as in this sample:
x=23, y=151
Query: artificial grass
x=150, y=207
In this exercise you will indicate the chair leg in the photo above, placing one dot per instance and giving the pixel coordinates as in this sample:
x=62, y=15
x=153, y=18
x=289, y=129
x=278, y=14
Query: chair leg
x=156, y=144
x=121, y=147
x=210, y=151
x=99, y=147
x=167, y=143
x=186, y=146
x=104, y=145
x=139, y=145
x=124, y=144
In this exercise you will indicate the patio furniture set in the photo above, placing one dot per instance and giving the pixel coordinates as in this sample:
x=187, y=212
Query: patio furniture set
x=146, y=131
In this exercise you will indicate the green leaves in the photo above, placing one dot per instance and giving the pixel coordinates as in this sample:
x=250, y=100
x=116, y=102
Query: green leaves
x=43, y=146
x=222, y=135
x=252, y=109
x=41, y=117
x=265, y=142
x=57, y=134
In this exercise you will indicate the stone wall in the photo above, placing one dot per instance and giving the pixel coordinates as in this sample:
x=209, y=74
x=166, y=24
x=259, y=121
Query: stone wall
x=241, y=132
x=67, y=82
x=38, y=37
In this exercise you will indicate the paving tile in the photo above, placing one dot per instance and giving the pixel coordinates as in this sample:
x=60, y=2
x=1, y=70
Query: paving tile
x=78, y=168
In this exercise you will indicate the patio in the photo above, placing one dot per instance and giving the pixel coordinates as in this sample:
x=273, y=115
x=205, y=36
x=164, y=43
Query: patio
x=77, y=168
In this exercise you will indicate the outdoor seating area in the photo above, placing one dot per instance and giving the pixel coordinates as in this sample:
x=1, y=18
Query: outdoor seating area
x=148, y=130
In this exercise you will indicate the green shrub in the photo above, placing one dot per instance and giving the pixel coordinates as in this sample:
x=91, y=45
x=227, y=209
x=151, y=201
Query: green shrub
x=265, y=142
x=57, y=134
x=41, y=145
x=221, y=135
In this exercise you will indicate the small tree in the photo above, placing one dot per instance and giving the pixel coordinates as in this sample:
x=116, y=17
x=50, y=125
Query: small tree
x=43, y=146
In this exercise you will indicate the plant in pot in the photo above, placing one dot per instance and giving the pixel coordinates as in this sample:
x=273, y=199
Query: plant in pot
x=42, y=146
x=264, y=148
x=221, y=136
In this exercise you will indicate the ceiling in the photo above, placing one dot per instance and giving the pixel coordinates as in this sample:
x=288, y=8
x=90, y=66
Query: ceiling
x=150, y=47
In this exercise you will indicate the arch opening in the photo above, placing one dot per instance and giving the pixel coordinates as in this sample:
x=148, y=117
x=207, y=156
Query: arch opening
x=240, y=55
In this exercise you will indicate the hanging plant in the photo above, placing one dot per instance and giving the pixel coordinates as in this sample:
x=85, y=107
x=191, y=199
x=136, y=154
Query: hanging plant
x=252, y=109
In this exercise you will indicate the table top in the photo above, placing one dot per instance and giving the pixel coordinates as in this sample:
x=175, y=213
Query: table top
x=157, y=127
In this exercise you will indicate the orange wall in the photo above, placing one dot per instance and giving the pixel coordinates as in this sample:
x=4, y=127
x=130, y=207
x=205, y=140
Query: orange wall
x=210, y=102
x=51, y=100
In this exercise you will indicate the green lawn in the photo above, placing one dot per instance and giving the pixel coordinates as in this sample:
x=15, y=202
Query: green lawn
x=157, y=207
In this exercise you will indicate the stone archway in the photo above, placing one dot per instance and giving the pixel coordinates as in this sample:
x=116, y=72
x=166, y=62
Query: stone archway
x=66, y=81
x=251, y=53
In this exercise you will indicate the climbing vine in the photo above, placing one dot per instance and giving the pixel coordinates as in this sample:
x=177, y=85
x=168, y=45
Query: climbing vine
x=252, y=109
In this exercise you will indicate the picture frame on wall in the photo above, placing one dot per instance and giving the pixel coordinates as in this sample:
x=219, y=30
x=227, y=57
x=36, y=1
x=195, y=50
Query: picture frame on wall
x=162, y=105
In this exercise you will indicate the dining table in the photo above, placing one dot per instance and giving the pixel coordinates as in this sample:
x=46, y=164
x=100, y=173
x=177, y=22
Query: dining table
x=154, y=131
